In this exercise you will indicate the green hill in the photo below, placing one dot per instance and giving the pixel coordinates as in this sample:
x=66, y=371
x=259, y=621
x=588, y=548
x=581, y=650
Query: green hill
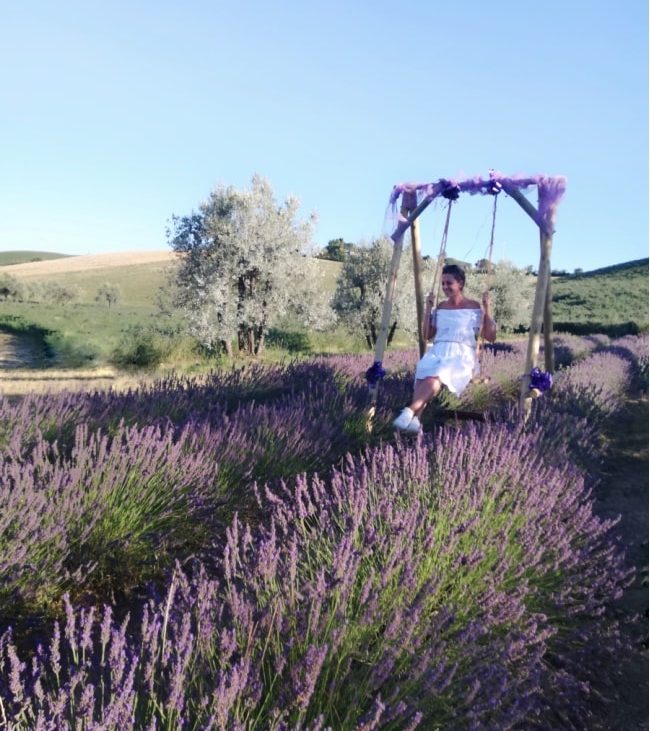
x=23, y=257
x=84, y=330
x=611, y=300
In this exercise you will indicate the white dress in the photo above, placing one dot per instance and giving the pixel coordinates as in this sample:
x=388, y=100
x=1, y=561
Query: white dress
x=452, y=356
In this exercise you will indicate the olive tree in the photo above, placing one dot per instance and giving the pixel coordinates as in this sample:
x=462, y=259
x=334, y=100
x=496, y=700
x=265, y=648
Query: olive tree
x=361, y=290
x=512, y=293
x=311, y=306
x=239, y=264
x=11, y=288
x=58, y=294
x=108, y=293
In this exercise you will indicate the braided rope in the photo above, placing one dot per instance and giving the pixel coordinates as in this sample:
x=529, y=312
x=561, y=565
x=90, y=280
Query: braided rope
x=488, y=280
x=441, y=257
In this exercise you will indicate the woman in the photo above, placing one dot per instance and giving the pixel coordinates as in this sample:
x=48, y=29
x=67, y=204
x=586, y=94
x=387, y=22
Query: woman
x=451, y=360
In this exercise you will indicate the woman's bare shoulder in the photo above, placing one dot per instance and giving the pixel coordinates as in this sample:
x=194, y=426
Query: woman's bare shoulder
x=472, y=305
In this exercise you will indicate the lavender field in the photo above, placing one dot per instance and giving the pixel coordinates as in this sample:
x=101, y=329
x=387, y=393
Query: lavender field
x=238, y=552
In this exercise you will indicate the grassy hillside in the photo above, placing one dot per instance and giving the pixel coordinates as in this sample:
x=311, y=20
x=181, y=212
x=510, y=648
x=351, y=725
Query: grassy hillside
x=21, y=257
x=612, y=300
x=138, y=283
x=85, y=332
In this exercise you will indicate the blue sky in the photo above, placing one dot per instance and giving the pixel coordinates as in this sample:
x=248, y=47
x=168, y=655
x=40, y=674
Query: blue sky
x=117, y=115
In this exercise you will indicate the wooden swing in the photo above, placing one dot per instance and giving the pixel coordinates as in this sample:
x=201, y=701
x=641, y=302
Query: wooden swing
x=550, y=191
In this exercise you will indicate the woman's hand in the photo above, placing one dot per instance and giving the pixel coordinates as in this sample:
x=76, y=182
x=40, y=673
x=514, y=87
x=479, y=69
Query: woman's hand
x=489, y=329
x=431, y=300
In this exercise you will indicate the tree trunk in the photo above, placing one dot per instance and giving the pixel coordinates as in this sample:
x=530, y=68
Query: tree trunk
x=259, y=339
x=391, y=332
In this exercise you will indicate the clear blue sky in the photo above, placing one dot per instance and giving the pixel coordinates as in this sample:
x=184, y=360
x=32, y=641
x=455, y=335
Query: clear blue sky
x=116, y=115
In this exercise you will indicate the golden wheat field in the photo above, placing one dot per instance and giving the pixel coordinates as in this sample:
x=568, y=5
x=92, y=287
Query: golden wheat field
x=88, y=262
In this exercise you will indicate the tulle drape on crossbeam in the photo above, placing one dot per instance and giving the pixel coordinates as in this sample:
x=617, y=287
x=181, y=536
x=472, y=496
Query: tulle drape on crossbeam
x=550, y=191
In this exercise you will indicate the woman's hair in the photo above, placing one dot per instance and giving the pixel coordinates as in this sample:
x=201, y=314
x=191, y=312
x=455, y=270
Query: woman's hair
x=458, y=273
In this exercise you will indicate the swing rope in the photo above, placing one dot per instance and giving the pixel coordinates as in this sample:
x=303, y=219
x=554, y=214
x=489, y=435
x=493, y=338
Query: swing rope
x=488, y=281
x=441, y=256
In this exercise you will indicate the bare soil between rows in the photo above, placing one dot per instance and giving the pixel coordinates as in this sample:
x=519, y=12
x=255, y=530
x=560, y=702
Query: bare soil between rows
x=623, y=491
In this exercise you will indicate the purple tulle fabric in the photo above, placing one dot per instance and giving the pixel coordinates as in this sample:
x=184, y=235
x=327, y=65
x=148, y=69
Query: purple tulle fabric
x=550, y=191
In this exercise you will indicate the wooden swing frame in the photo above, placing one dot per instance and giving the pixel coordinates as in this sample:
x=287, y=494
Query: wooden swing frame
x=550, y=190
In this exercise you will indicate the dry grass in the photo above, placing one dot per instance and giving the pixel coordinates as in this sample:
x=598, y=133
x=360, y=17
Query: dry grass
x=19, y=382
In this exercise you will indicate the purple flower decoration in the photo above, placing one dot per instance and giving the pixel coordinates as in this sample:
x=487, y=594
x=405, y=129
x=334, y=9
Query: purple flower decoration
x=375, y=373
x=451, y=192
x=540, y=380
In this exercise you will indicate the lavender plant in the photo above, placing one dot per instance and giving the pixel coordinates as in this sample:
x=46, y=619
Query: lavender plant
x=117, y=507
x=457, y=583
x=106, y=513
x=428, y=585
x=634, y=349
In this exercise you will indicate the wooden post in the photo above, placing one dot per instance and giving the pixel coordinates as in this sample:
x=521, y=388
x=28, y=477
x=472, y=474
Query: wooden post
x=549, y=354
x=543, y=277
x=382, y=335
x=417, y=275
x=521, y=199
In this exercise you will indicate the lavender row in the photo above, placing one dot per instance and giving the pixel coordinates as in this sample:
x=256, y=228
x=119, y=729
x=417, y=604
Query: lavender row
x=173, y=399
x=120, y=506
x=438, y=585
x=181, y=399
x=60, y=498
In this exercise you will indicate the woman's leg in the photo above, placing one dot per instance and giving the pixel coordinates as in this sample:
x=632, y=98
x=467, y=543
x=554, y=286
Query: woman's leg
x=425, y=389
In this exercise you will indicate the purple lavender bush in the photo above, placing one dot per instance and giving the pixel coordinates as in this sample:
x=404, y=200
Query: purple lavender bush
x=53, y=417
x=594, y=387
x=634, y=349
x=456, y=583
x=101, y=515
x=115, y=509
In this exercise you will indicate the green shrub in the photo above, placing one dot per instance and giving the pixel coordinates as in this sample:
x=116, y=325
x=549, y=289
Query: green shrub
x=69, y=352
x=140, y=347
x=289, y=340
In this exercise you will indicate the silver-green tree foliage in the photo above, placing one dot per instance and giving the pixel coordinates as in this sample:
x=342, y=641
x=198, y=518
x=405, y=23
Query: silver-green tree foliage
x=239, y=264
x=108, y=293
x=361, y=290
x=10, y=288
x=512, y=292
x=58, y=294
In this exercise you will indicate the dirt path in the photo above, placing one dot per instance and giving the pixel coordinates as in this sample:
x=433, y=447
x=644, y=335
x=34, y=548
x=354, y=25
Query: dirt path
x=624, y=491
x=19, y=352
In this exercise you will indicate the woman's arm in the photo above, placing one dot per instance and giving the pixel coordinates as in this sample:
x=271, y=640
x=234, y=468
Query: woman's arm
x=489, y=329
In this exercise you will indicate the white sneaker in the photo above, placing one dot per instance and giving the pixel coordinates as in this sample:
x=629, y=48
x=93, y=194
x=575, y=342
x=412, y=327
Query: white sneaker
x=414, y=427
x=404, y=419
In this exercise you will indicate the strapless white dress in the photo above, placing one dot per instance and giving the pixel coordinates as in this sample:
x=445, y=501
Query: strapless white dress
x=452, y=356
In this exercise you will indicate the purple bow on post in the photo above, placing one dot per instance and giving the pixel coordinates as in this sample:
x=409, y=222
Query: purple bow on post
x=375, y=373
x=451, y=192
x=540, y=380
